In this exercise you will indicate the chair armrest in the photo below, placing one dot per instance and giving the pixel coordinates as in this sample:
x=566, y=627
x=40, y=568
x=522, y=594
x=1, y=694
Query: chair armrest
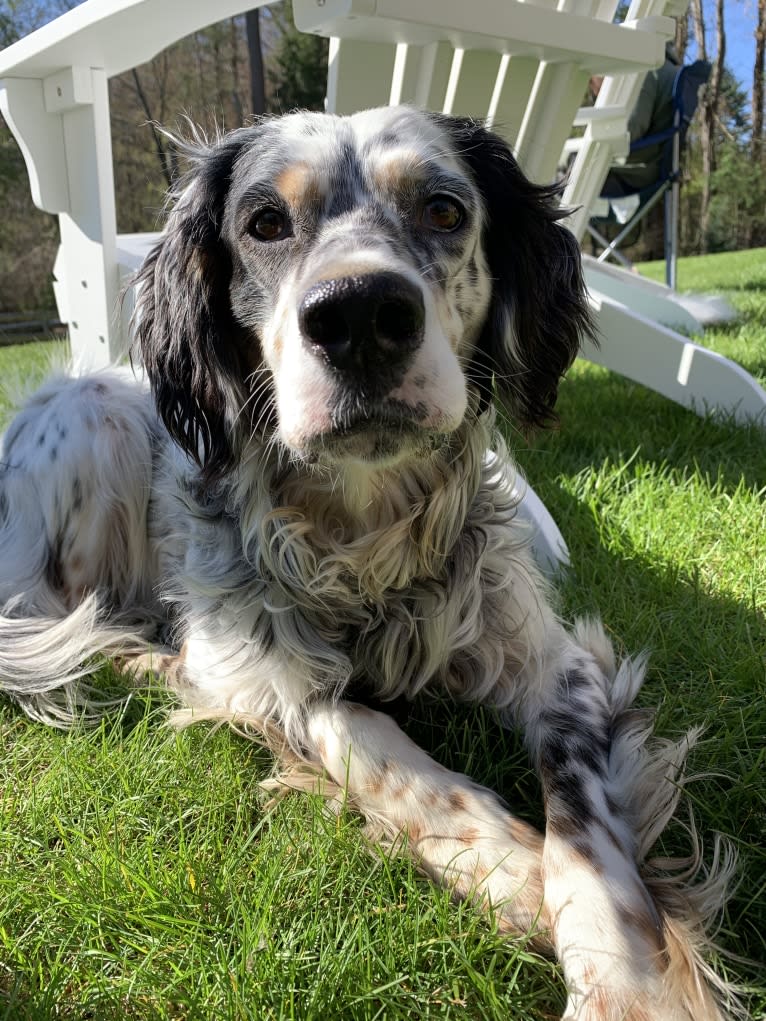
x=593, y=114
x=115, y=35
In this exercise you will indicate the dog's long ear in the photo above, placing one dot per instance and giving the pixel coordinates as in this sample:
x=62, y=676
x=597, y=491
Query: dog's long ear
x=539, y=310
x=183, y=322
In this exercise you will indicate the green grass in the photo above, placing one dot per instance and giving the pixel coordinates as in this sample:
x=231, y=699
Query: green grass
x=742, y=277
x=141, y=877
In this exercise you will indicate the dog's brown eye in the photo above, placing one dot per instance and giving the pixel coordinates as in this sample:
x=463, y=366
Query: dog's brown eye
x=441, y=213
x=268, y=225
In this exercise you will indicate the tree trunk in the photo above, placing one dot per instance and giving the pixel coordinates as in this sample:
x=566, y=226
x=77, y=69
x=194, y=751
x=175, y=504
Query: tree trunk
x=255, y=53
x=163, y=156
x=720, y=59
x=758, y=91
x=236, y=98
x=682, y=36
x=716, y=78
x=709, y=109
x=698, y=18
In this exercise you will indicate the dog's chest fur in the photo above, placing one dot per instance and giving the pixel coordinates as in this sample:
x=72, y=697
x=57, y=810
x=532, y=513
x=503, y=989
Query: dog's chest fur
x=392, y=601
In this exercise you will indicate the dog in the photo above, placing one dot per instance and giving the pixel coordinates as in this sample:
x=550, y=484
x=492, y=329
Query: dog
x=295, y=497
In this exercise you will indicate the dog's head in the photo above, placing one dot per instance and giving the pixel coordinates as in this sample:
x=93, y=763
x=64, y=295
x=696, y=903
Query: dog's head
x=354, y=286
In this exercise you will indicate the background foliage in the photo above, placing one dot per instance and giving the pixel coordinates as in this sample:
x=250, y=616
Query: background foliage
x=210, y=77
x=205, y=77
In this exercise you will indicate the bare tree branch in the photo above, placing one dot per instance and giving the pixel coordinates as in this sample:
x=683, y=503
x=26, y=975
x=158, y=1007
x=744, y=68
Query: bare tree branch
x=159, y=146
x=255, y=53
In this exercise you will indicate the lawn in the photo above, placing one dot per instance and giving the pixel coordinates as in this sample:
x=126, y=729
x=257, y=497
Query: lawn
x=141, y=875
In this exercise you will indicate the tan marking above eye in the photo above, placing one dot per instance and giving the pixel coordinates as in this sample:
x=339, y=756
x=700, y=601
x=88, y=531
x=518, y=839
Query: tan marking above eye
x=298, y=184
x=398, y=173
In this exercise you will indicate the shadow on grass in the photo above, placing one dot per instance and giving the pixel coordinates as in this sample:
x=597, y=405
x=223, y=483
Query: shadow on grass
x=604, y=416
x=758, y=285
x=707, y=662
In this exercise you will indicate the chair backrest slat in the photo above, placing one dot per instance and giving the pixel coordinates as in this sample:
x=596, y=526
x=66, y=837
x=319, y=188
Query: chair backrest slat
x=470, y=92
x=433, y=69
x=508, y=103
x=359, y=76
x=553, y=103
x=528, y=92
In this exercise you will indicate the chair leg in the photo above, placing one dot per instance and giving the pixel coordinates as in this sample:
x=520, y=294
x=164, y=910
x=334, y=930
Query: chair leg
x=672, y=198
x=609, y=249
x=671, y=211
x=672, y=365
x=643, y=212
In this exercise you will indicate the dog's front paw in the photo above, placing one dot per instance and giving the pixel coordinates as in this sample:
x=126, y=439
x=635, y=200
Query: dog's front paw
x=160, y=662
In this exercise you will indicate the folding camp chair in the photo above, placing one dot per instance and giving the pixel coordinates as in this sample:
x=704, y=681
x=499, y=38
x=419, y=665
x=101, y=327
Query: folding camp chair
x=686, y=88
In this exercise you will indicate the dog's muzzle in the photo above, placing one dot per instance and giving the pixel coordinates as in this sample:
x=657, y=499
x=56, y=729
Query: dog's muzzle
x=358, y=323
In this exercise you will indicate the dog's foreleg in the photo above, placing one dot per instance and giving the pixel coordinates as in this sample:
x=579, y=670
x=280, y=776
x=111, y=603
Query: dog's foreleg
x=620, y=961
x=460, y=833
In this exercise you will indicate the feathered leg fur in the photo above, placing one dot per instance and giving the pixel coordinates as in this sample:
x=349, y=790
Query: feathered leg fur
x=629, y=930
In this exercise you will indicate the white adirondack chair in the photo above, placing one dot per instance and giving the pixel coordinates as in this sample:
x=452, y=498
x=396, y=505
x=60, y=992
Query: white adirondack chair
x=54, y=96
x=521, y=65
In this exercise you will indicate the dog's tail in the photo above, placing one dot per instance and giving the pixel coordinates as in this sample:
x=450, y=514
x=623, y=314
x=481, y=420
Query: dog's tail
x=47, y=663
x=76, y=575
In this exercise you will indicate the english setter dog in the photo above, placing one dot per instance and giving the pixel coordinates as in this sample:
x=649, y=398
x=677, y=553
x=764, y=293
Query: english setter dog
x=300, y=504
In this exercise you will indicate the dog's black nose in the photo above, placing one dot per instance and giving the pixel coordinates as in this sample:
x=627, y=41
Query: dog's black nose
x=354, y=319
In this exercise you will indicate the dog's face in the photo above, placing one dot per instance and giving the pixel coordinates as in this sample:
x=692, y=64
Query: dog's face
x=357, y=264
x=351, y=285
